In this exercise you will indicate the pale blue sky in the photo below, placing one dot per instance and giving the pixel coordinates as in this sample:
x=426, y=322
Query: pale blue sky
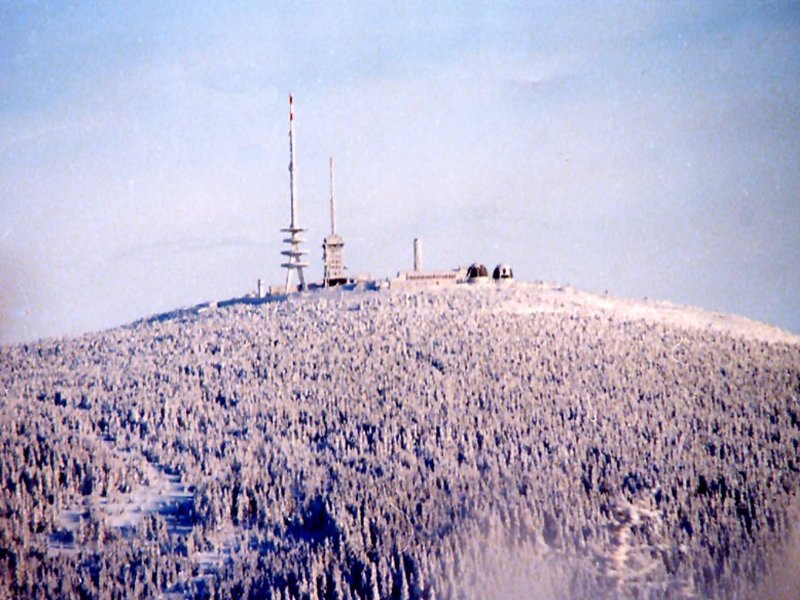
x=645, y=148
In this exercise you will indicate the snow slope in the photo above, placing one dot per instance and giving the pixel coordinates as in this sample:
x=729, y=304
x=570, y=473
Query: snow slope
x=510, y=440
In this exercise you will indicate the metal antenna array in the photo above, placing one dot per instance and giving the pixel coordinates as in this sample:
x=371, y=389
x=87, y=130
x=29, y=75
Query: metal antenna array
x=294, y=240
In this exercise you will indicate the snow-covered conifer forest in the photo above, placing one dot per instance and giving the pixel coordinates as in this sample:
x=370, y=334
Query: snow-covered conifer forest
x=471, y=442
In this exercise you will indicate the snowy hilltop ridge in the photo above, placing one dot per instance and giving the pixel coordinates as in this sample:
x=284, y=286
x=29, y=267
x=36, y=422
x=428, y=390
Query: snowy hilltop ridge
x=504, y=441
x=540, y=297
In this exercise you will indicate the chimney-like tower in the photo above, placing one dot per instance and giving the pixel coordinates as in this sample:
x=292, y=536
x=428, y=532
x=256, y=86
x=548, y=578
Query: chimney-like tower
x=417, y=254
x=294, y=253
x=333, y=247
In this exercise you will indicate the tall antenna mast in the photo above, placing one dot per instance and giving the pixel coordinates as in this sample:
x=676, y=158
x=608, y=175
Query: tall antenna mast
x=333, y=246
x=292, y=182
x=333, y=201
x=294, y=240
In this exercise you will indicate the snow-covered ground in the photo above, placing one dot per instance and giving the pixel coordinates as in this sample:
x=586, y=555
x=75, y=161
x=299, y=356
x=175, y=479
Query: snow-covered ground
x=404, y=443
x=159, y=494
x=525, y=298
x=554, y=298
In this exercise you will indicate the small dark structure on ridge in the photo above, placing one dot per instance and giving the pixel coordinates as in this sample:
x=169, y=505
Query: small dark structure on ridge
x=477, y=271
x=502, y=271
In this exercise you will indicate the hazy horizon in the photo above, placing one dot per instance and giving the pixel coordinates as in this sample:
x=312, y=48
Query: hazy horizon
x=645, y=148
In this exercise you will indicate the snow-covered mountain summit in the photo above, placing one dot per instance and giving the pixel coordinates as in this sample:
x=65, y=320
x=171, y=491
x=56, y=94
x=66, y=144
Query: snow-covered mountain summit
x=508, y=440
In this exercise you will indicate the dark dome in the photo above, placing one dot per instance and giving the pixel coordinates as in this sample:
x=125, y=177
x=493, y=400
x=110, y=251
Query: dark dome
x=503, y=271
x=477, y=270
